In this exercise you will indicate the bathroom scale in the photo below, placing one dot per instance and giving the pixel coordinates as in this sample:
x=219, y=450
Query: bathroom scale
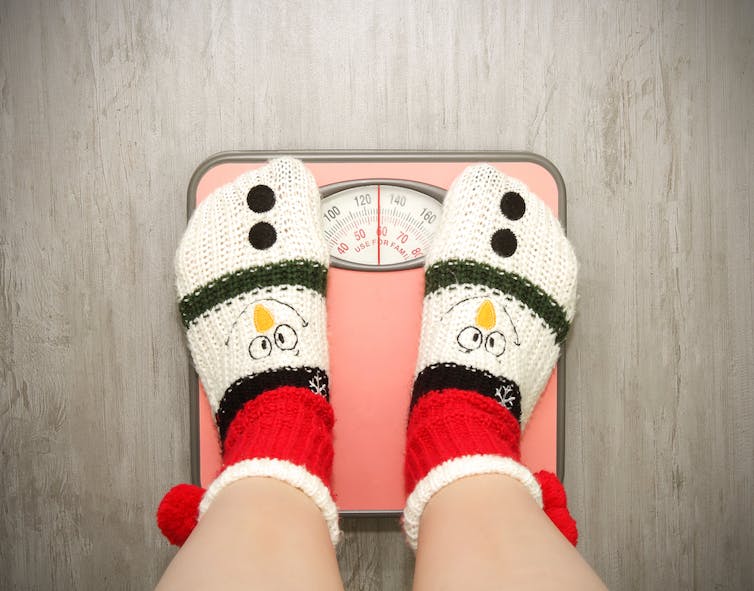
x=379, y=211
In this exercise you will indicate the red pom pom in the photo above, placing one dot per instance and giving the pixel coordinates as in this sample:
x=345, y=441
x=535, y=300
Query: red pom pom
x=553, y=493
x=564, y=522
x=178, y=512
x=554, y=505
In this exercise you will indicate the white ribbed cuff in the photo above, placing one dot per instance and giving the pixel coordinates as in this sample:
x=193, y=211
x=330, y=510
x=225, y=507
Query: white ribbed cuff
x=295, y=475
x=444, y=474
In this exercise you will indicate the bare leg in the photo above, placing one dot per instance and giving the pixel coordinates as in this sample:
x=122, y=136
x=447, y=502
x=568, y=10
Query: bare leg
x=486, y=532
x=260, y=534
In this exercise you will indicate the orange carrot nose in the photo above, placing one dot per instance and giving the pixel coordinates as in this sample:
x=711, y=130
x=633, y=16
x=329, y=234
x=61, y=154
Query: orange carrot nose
x=263, y=320
x=485, y=315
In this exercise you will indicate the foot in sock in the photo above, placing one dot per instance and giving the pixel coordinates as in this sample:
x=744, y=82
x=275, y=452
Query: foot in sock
x=500, y=295
x=251, y=271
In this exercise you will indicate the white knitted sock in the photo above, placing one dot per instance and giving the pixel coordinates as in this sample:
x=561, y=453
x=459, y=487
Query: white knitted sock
x=499, y=298
x=251, y=276
x=251, y=271
x=500, y=290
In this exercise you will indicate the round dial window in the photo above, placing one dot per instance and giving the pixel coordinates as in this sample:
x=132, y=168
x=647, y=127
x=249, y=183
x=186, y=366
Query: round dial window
x=380, y=224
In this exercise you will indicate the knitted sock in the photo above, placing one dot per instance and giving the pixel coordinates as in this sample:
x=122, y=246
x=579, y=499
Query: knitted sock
x=499, y=298
x=251, y=271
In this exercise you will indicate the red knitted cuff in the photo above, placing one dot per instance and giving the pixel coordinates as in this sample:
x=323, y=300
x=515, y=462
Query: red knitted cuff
x=449, y=423
x=288, y=423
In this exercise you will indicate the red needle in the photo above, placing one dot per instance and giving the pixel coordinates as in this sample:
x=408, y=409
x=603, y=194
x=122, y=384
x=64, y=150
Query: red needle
x=379, y=230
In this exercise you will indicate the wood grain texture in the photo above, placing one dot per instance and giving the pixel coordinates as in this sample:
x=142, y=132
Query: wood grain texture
x=646, y=107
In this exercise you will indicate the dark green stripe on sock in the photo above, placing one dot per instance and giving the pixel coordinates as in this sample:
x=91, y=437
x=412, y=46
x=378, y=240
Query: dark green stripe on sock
x=458, y=272
x=299, y=272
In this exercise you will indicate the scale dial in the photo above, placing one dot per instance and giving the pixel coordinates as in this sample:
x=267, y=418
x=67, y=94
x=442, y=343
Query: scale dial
x=380, y=224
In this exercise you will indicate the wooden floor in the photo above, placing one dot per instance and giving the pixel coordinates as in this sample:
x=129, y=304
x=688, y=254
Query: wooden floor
x=647, y=108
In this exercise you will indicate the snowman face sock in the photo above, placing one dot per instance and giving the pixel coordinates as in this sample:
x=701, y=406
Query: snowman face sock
x=500, y=293
x=251, y=271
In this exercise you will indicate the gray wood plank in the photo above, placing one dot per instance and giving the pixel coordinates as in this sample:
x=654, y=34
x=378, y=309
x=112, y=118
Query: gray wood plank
x=105, y=110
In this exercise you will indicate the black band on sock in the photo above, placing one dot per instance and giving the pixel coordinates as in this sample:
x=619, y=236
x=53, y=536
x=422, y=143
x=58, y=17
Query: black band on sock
x=249, y=387
x=451, y=375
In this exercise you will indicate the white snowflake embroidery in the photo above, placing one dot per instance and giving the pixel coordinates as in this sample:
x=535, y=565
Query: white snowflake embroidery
x=505, y=397
x=317, y=386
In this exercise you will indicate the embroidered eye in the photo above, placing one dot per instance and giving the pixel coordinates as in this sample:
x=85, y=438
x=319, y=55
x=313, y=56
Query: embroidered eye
x=261, y=198
x=262, y=235
x=504, y=243
x=495, y=343
x=260, y=347
x=469, y=338
x=285, y=337
x=513, y=205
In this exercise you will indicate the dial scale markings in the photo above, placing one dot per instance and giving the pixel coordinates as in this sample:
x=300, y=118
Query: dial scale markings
x=369, y=224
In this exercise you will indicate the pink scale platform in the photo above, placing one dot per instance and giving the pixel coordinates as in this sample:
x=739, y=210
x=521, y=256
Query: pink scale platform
x=373, y=330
